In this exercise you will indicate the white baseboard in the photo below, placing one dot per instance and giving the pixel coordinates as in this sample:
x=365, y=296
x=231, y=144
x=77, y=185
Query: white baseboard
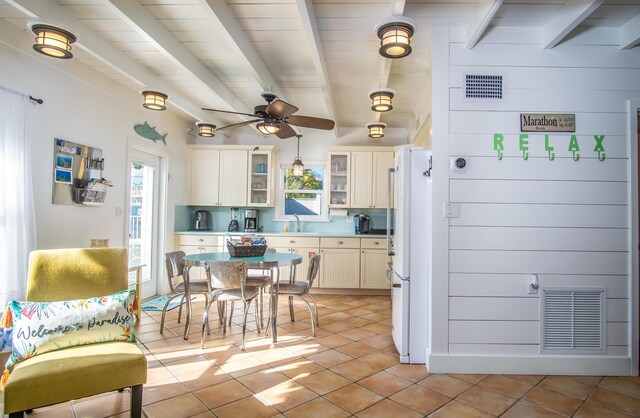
x=548, y=364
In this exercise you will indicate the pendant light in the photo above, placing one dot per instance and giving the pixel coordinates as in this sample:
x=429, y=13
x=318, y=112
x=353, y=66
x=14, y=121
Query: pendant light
x=381, y=99
x=268, y=127
x=154, y=100
x=376, y=129
x=395, y=36
x=298, y=166
x=206, y=129
x=52, y=41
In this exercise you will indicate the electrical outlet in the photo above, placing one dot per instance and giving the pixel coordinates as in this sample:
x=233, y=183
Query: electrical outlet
x=118, y=211
x=350, y=219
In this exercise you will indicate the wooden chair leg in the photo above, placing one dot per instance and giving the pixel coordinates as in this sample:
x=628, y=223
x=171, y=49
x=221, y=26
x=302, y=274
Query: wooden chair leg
x=293, y=318
x=136, y=401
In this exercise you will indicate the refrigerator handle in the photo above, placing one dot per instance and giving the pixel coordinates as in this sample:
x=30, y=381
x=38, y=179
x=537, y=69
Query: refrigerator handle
x=391, y=282
x=389, y=176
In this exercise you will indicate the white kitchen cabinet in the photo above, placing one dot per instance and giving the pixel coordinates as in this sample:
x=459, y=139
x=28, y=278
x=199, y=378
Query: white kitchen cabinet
x=338, y=179
x=306, y=247
x=218, y=177
x=369, y=178
x=197, y=244
x=260, y=184
x=340, y=268
x=373, y=268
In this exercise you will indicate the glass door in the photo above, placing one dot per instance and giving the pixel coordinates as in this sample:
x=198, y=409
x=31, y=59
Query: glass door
x=143, y=220
x=259, y=178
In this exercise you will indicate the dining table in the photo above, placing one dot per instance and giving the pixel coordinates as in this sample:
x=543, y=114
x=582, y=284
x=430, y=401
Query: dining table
x=272, y=261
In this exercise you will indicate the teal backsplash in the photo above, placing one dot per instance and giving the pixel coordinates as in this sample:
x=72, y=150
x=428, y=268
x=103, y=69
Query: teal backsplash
x=222, y=215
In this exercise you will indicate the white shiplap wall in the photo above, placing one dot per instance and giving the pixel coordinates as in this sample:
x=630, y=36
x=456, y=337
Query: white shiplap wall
x=565, y=220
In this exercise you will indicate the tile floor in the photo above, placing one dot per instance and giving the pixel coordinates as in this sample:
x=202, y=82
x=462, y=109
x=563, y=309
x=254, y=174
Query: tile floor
x=350, y=369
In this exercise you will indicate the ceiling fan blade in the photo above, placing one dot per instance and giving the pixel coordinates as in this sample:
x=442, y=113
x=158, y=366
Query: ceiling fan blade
x=281, y=109
x=285, y=131
x=228, y=111
x=311, y=122
x=235, y=125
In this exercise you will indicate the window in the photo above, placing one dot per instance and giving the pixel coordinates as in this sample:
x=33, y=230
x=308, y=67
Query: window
x=304, y=195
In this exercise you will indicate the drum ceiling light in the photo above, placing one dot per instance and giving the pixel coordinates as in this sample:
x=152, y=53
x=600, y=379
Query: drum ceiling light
x=395, y=36
x=268, y=127
x=376, y=129
x=206, y=129
x=381, y=99
x=52, y=41
x=298, y=165
x=154, y=100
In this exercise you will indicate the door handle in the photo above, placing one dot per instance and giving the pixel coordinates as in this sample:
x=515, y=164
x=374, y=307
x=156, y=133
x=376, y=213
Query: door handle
x=391, y=282
x=389, y=175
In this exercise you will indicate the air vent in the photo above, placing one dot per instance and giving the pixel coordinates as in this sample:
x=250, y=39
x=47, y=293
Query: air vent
x=573, y=321
x=483, y=86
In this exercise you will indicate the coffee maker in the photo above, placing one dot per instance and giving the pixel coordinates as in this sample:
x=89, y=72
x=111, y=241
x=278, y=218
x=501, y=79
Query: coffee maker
x=251, y=220
x=363, y=223
x=201, y=221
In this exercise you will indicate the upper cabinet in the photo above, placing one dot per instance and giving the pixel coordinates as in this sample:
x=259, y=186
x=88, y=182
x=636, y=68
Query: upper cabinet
x=260, y=178
x=369, y=179
x=339, y=164
x=229, y=176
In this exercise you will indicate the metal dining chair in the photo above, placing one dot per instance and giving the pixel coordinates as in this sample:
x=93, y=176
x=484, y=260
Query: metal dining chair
x=228, y=283
x=301, y=289
x=175, y=268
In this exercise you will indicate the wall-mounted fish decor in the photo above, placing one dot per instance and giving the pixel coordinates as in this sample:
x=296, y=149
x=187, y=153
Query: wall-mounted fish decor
x=146, y=131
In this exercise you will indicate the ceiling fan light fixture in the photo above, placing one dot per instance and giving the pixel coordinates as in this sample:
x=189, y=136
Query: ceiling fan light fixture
x=298, y=165
x=376, y=129
x=154, y=100
x=381, y=99
x=395, y=36
x=206, y=129
x=267, y=127
x=52, y=41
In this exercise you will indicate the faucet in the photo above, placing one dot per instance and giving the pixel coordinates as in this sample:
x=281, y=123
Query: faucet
x=297, y=222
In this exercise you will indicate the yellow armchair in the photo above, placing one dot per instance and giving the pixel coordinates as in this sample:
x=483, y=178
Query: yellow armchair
x=76, y=372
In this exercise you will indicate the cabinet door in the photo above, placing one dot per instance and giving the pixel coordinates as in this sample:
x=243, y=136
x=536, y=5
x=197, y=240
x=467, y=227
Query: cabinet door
x=338, y=184
x=373, y=268
x=302, y=269
x=361, y=180
x=204, y=177
x=260, y=178
x=284, y=271
x=197, y=273
x=382, y=162
x=233, y=177
x=340, y=268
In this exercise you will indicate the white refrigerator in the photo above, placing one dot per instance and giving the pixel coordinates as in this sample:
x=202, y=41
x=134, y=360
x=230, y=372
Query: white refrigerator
x=409, y=245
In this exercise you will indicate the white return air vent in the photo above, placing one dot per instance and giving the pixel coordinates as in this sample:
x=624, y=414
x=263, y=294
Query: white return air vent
x=483, y=87
x=573, y=321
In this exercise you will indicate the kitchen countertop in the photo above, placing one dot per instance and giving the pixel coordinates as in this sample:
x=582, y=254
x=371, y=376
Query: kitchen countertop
x=285, y=234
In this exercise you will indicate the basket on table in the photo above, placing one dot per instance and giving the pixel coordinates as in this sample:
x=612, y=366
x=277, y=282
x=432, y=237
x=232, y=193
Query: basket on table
x=246, y=250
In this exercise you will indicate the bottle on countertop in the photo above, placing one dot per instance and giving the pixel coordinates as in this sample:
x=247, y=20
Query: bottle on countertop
x=286, y=227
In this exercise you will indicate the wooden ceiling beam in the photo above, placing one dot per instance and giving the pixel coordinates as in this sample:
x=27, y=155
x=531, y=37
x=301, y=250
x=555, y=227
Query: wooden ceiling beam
x=94, y=44
x=164, y=41
x=570, y=15
x=630, y=33
x=484, y=13
x=310, y=25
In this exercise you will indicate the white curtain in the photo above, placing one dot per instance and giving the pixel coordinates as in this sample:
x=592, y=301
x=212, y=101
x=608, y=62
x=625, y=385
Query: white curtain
x=17, y=217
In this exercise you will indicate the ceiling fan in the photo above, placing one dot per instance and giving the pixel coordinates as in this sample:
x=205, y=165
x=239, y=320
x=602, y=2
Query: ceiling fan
x=276, y=116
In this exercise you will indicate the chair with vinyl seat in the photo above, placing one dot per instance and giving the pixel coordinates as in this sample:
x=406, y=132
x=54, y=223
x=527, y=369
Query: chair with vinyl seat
x=302, y=289
x=76, y=372
x=175, y=269
x=261, y=279
x=228, y=283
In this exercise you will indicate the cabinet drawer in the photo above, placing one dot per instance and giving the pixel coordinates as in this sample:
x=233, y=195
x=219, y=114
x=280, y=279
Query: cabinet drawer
x=340, y=242
x=209, y=240
x=293, y=241
x=373, y=243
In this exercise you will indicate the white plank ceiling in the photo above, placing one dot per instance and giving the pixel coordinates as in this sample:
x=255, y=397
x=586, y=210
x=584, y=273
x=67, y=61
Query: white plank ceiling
x=320, y=55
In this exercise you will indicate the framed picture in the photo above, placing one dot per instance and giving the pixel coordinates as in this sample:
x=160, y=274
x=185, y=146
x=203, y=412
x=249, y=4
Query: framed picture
x=63, y=176
x=64, y=161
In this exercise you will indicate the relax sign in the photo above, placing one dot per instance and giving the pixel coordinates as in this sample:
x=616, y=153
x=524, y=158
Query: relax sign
x=573, y=145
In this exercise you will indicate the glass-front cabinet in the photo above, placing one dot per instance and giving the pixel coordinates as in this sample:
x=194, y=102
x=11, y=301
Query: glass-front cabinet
x=260, y=178
x=339, y=165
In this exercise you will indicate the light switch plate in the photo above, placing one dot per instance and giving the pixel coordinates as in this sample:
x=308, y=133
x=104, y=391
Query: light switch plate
x=451, y=210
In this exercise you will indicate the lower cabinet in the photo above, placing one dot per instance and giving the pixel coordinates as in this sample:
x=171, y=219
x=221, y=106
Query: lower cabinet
x=195, y=244
x=373, y=269
x=340, y=268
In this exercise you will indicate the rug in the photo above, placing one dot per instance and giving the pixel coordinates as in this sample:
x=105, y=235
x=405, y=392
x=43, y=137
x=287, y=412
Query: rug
x=158, y=303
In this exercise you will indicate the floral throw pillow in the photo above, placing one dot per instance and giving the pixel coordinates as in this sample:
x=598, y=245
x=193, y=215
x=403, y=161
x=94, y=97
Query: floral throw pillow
x=39, y=327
